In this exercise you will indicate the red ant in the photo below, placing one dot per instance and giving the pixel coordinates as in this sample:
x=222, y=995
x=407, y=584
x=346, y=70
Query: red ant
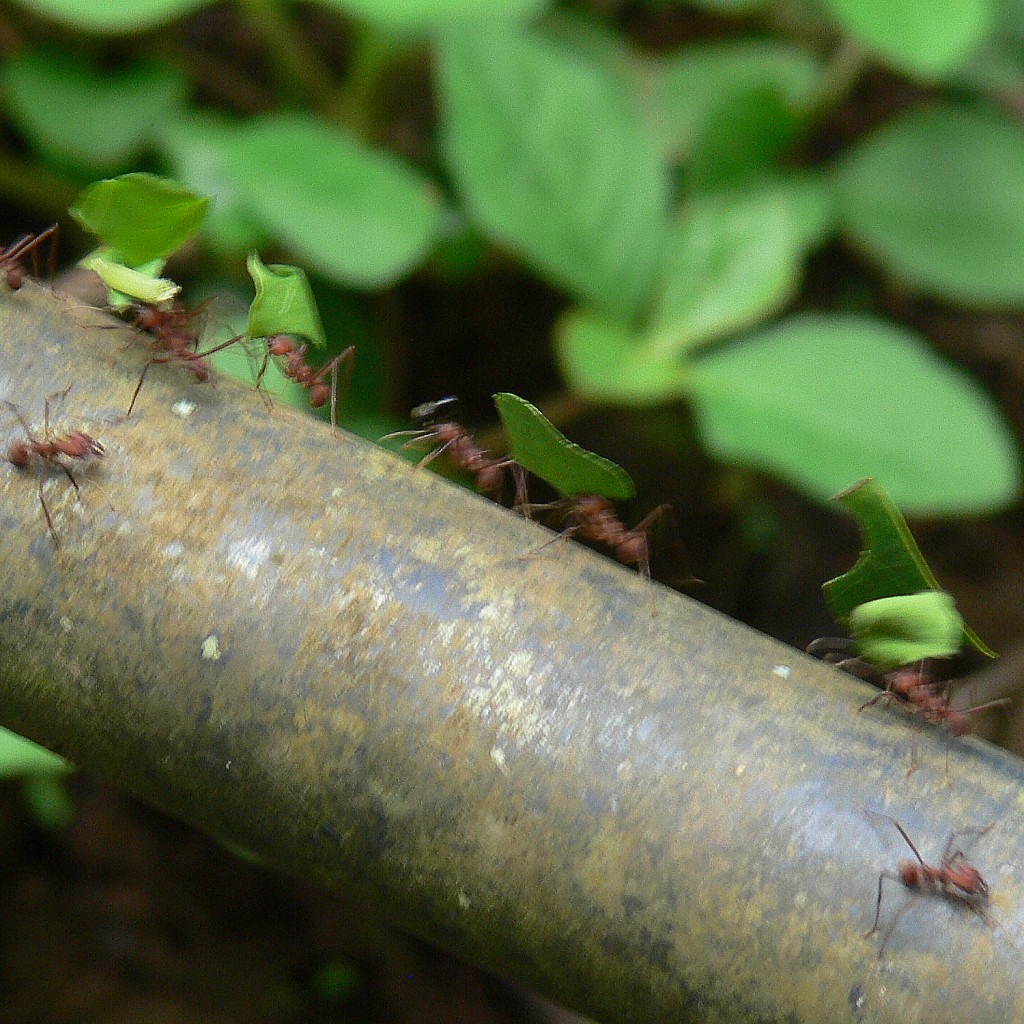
x=47, y=451
x=595, y=520
x=173, y=340
x=10, y=258
x=911, y=687
x=432, y=424
x=291, y=358
x=954, y=879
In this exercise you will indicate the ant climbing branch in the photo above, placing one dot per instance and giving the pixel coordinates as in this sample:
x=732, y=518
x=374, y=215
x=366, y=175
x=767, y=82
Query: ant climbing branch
x=49, y=450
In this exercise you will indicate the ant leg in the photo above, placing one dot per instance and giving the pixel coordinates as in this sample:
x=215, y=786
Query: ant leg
x=46, y=510
x=878, y=903
x=138, y=387
x=521, y=502
x=22, y=421
x=71, y=477
x=348, y=357
x=59, y=396
x=977, y=832
x=895, y=921
x=428, y=459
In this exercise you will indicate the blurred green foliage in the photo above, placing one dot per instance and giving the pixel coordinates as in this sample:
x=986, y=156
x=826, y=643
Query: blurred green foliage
x=671, y=168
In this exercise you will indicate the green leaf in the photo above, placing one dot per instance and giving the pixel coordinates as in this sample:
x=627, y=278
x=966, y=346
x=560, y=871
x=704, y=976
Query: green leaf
x=607, y=361
x=540, y=448
x=698, y=87
x=130, y=284
x=140, y=216
x=891, y=632
x=821, y=400
x=890, y=565
x=195, y=145
x=552, y=161
x=284, y=303
x=418, y=13
x=735, y=260
x=730, y=6
x=357, y=215
x=925, y=37
x=936, y=197
x=123, y=16
x=20, y=757
x=69, y=113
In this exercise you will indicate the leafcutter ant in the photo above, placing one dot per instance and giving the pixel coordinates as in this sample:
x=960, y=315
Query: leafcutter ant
x=433, y=424
x=49, y=450
x=11, y=267
x=954, y=879
x=913, y=688
x=593, y=517
x=173, y=339
x=291, y=358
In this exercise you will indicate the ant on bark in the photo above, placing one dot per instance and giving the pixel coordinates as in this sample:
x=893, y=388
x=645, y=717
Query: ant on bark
x=594, y=518
x=48, y=450
x=434, y=425
x=291, y=358
x=173, y=339
x=913, y=688
x=954, y=879
x=11, y=266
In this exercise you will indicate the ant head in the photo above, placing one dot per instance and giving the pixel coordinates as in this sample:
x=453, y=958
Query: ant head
x=15, y=276
x=593, y=505
x=318, y=395
x=78, y=444
x=429, y=414
x=146, y=315
x=18, y=454
x=911, y=874
x=280, y=345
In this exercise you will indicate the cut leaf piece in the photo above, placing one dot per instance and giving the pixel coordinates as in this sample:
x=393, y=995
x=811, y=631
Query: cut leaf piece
x=553, y=162
x=99, y=122
x=123, y=16
x=734, y=260
x=140, y=216
x=542, y=449
x=357, y=215
x=936, y=197
x=130, y=284
x=284, y=303
x=891, y=632
x=890, y=565
x=924, y=37
x=606, y=361
x=20, y=757
x=822, y=400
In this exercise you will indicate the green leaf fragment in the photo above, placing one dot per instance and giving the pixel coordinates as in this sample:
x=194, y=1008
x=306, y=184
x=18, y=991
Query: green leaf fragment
x=71, y=113
x=284, y=303
x=824, y=399
x=552, y=161
x=890, y=565
x=539, y=447
x=355, y=214
x=131, y=284
x=925, y=37
x=20, y=757
x=891, y=632
x=140, y=216
x=609, y=362
x=936, y=197
x=121, y=17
